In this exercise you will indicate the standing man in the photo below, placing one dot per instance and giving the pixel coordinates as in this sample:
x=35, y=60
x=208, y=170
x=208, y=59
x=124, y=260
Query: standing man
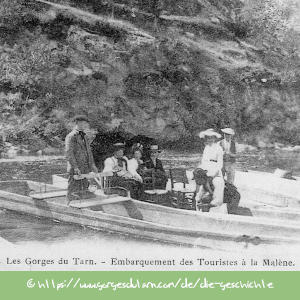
x=229, y=149
x=79, y=156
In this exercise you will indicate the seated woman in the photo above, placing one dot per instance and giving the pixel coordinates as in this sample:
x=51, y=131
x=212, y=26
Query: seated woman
x=135, y=163
x=153, y=168
x=118, y=164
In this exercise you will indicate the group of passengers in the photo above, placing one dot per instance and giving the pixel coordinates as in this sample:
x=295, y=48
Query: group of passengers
x=133, y=172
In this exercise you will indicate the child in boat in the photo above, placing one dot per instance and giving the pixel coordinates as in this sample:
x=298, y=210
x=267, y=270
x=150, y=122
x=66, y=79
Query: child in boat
x=202, y=179
x=231, y=194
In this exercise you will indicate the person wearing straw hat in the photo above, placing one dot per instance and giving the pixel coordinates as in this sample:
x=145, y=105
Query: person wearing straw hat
x=79, y=156
x=229, y=148
x=212, y=163
x=118, y=165
x=154, y=164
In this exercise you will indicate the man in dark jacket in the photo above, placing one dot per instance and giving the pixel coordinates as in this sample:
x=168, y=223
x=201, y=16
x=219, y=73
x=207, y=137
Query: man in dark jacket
x=229, y=148
x=154, y=166
x=79, y=157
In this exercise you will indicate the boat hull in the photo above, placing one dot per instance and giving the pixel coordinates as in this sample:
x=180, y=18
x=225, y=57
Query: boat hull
x=164, y=224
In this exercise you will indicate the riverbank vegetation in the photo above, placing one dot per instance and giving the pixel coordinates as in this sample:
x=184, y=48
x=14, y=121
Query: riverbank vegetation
x=164, y=69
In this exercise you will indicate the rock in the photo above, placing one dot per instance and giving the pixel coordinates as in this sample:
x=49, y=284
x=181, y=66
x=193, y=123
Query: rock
x=297, y=148
x=186, y=71
x=215, y=20
x=12, y=153
x=50, y=151
x=278, y=145
x=39, y=152
x=284, y=174
x=245, y=148
x=261, y=144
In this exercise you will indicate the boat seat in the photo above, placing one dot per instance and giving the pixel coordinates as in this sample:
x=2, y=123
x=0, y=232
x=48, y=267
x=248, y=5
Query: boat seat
x=96, y=202
x=48, y=195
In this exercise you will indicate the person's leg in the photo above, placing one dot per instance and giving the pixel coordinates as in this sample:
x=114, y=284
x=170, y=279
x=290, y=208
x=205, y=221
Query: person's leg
x=135, y=188
x=230, y=171
x=71, y=188
x=76, y=186
x=218, y=194
x=232, y=198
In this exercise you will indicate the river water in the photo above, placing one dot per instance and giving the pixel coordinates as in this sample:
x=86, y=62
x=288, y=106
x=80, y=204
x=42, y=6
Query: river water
x=22, y=229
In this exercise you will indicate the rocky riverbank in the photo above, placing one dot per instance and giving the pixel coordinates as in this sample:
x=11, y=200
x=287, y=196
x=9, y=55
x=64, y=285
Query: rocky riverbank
x=164, y=69
x=41, y=168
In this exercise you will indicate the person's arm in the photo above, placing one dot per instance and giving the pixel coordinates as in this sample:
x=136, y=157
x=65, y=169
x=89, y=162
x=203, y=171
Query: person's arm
x=160, y=166
x=220, y=154
x=233, y=149
x=108, y=165
x=208, y=187
x=69, y=146
x=91, y=157
x=205, y=157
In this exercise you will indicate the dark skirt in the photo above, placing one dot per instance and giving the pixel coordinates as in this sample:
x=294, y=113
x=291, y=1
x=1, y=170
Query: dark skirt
x=134, y=187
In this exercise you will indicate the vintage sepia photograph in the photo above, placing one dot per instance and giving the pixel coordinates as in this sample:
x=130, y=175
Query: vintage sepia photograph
x=149, y=135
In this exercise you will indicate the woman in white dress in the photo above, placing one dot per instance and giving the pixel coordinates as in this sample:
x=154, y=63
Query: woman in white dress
x=118, y=165
x=134, y=163
x=212, y=162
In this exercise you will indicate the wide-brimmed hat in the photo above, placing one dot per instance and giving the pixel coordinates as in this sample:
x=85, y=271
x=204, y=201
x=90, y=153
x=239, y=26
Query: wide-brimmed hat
x=155, y=148
x=228, y=130
x=79, y=118
x=209, y=132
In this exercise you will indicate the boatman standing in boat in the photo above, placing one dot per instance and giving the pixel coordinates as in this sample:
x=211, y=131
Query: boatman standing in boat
x=79, y=157
x=229, y=148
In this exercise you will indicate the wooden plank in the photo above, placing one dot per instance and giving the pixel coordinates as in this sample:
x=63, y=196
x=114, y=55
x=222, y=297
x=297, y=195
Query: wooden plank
x=93, y=175
x=48, y=195
x=97, y=202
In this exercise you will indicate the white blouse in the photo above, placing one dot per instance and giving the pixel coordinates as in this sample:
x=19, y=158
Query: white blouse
x=111, y=165
x=212, y=157
x=132, y=168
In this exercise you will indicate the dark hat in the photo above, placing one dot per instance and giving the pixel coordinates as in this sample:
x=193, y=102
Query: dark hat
x=118, y=146
x=79, y=118
x=154, y=148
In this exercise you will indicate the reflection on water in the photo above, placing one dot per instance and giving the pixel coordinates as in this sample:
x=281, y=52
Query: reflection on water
x=21, y=229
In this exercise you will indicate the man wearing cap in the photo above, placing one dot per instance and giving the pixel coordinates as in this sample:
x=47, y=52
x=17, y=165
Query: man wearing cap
x=229, y=148
x=118, y=165
x=79, y=157
x=212, y=163
x=154, y=164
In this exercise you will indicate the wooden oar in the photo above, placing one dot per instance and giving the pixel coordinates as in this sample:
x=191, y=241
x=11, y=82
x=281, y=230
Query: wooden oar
x=92, y=175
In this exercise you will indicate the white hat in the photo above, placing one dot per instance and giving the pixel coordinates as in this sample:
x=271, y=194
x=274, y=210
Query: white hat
x=209, y=132
x=154, y=148
x=228, y=131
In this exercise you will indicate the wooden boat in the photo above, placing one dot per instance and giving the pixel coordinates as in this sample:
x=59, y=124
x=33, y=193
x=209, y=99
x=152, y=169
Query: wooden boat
x=262, y=188
x=123, y=215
